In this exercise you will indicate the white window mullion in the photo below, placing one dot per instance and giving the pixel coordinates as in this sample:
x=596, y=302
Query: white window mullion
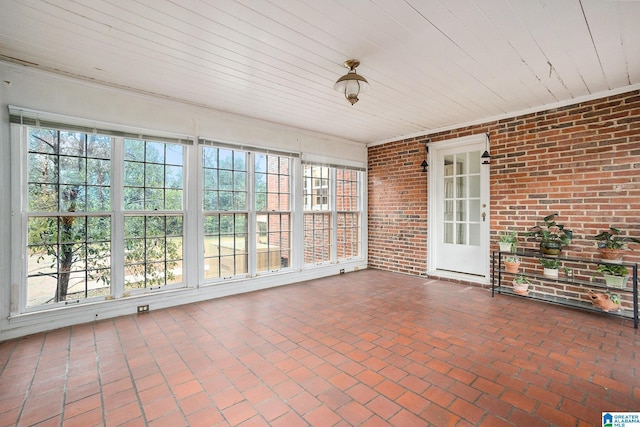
x=197, y=200
x=297, y=214
x=252, y=217
x=19, y=268
x=117, y=217
x=193, y=218
x=333, y=217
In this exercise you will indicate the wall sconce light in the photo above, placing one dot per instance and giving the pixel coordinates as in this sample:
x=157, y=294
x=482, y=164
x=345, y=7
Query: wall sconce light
x=486, y=158
x=424, y=163
x=352, y=83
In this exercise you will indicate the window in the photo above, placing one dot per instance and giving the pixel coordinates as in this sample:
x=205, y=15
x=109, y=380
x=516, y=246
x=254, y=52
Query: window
x=273, y=212
x=225, y=212
x=317, y=217
x=68, y=218
x=348, y=213
x=153, y=236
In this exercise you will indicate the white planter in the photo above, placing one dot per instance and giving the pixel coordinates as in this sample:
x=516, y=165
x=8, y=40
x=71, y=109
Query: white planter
x=550, y=272
x=615, y=281
x=505, y=246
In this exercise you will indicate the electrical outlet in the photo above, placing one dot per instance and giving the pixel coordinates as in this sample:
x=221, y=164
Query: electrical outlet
x=342, y=271
x=143, y=308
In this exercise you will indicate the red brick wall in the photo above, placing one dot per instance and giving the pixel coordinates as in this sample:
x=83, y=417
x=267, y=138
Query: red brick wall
x=582, y=161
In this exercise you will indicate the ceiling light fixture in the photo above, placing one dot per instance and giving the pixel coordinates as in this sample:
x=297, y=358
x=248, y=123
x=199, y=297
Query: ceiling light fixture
x=352, y=83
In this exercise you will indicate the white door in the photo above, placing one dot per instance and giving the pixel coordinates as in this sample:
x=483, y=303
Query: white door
x=459, y=208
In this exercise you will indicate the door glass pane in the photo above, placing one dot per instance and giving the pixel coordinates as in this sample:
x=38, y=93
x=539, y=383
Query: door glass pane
x=461, y=161
x=474, y=162
x=448, y=210
x=474, y=186
x=461, y=186
x=448, y=232
x=448, y=188
x=461, y=234
x=461, y=210
x=474, y=210
x=448, y=165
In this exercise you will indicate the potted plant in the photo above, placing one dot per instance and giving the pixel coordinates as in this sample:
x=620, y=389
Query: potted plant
x=553, y=236
x=611, y=244
x=615, y=275
x=521, y=285
x=511, y=264
x=606, y=301
x=508, y=241
x=550, y=267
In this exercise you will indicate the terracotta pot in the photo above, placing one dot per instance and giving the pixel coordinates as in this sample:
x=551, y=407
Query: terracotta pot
x=614, y=255
x=511, y=267
x=603, y=302
x=520, y=288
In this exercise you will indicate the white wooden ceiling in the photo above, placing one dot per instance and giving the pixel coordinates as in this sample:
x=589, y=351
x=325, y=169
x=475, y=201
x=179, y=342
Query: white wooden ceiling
x=431, y=64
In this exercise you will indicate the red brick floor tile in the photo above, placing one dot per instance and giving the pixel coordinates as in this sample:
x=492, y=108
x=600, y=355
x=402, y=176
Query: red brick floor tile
x=90, y=418
x=195, y=403
x=322, y=416
x=303, y=402
x=492, y=420
x=354, y=413
x=272, y=409
x=160, y=407
x=334, y=398
x=290, y=419
x=439, y=396
x=49, y=422
x=239, y=412
x=385, y=408
x=555, y=416
x=169, y=419
x=227, y=397
x=466, y=410
x=375, y=421
x=123, y=414
x=389, y=389
x=83, y=405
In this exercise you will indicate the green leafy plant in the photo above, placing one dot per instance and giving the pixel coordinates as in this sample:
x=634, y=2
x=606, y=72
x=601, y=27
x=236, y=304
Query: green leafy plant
x=615, y=298
x=508, y=237
x=613, y=269
x=521, y=280
x=551, y=231
x=512, y=258
x=611, y=239
x=549, y=263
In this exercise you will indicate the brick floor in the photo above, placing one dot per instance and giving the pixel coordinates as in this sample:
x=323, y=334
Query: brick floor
x=369, y=348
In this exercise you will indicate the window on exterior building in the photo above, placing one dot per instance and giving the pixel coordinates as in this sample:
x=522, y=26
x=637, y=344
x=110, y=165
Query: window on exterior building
x=226, y=212
x=348, y=228
x=317, y=216
x=272, y=191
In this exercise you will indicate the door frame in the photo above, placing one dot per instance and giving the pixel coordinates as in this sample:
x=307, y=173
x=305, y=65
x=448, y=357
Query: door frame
x=436, y=173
